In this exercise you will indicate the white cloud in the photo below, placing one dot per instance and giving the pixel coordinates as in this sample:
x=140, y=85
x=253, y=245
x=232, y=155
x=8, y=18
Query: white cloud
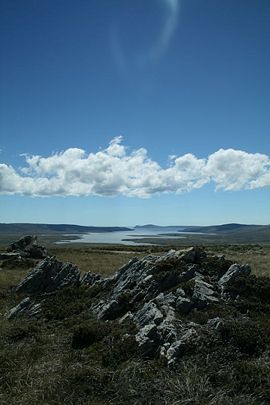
x=236, y=170
x=116, y=171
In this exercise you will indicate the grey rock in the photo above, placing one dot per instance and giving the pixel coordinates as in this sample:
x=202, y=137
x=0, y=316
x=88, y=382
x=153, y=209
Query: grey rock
x=10, y=256
x=193, y=255
x=108, y=310
x=167, y=300
x=234, y=271
x=127, y=317
x=146, y=278
x=27, y=246
x=215, y=323
x=36, y=252
x=22, y=243
x=148, y=340
x=34, y=310
x=18, y=309
x=24, y=308
x=127, y=266
x=180, y=292
x=89, y=278
x=188, y=274
x=184, y=305
x=49, y=275
x=148, y=314
x=181, y=346
x=203, y=293
x=168, y=328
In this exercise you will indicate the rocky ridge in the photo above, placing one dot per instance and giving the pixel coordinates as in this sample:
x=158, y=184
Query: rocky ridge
x=156, y=293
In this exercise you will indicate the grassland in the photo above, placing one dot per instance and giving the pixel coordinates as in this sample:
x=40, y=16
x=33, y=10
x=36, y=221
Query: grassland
x=39, y=364
x=107, y=259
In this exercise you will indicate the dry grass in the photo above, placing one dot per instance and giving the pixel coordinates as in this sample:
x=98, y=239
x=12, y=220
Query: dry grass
x=106, y=262
x=88, y=259
x=258, y=257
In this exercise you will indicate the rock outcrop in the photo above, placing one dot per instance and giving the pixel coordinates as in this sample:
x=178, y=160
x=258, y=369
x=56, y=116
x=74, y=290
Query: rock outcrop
x=156, y=293
x=49, y=275
x=27, y=246
x=23, y=253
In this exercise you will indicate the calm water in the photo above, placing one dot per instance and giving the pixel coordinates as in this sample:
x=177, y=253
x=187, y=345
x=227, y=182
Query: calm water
x=117, y=237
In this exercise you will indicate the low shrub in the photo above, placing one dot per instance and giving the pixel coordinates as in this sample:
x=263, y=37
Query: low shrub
x=252, y=377
x=88, y=333
x=247, y=336
x=67, y=302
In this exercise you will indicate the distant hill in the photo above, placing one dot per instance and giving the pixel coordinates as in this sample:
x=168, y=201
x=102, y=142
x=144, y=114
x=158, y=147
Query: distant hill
x=225, y=228
x=25, y=228
x=160, y=227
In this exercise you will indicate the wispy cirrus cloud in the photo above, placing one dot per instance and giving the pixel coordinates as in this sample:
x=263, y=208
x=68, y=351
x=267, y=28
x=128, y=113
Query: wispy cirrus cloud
x=141, y=58
x=166, y=34
x=118, y=171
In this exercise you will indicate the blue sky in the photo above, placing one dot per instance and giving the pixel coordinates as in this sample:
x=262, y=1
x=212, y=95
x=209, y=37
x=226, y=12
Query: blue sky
x=180, y=81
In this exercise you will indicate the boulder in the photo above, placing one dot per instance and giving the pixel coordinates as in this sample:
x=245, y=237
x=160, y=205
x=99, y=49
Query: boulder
x=49, y=275
x=234, y=271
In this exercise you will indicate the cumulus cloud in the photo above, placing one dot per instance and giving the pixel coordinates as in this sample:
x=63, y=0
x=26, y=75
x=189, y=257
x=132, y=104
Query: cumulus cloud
x=118, y=171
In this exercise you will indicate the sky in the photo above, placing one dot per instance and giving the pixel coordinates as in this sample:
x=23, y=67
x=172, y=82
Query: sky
x=116, y=112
